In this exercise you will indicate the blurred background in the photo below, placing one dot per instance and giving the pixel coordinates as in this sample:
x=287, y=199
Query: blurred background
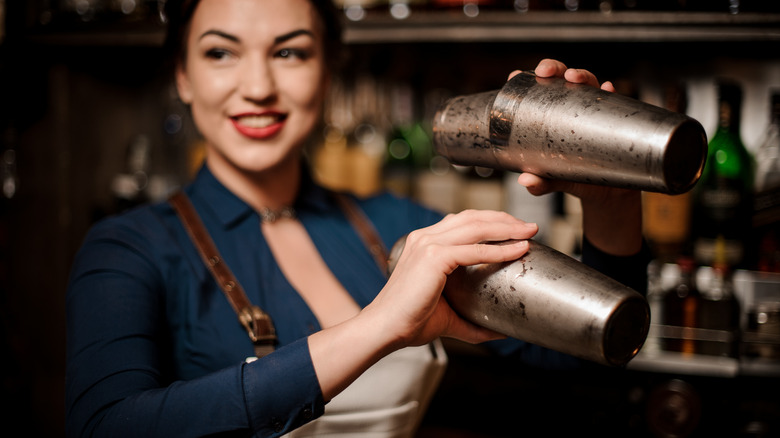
x=90, y=125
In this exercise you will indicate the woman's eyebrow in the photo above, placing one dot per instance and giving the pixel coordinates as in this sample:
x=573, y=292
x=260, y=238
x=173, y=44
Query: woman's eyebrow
x=293, y=34
x=277, y=40
x=220, y=34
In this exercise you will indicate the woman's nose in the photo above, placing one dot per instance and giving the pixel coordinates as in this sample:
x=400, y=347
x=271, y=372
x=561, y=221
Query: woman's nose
x=257, y=81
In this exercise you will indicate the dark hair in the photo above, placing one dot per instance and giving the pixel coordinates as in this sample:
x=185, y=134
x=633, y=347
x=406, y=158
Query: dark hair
x=178, y=14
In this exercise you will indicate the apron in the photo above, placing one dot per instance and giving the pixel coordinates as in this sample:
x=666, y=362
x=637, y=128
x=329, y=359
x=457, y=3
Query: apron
x=389, y=400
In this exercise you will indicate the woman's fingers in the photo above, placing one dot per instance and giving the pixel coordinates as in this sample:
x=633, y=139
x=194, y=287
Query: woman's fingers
x=537, y=185
x=553, y=68
x=476, y=253
x=550, y=68
x=475, y=226
x=546, y=68
x=580, y=76
x=459, y=328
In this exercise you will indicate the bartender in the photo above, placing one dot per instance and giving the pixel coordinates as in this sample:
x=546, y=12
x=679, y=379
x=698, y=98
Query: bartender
x=155, y=348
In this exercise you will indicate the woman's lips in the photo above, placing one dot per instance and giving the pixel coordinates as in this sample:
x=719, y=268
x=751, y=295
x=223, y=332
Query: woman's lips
x=259, y=126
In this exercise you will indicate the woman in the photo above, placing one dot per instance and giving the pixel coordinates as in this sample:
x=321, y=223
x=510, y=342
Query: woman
x=154, y=347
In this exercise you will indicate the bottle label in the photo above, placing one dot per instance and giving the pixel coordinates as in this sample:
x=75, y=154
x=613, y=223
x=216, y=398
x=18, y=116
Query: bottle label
x=724, y=210
x=705, y=250
x=666, y=217
x=767, y=207
x=722, y=203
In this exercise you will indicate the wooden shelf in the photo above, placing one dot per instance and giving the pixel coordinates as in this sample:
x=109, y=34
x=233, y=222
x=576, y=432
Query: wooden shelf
x=565, y=27
x=491, y=26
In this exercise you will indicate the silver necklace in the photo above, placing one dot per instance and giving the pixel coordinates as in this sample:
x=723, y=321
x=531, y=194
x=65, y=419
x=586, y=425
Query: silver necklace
x=268, y=216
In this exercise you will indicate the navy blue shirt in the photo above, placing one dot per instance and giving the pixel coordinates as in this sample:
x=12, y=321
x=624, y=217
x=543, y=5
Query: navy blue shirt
x=154, y=348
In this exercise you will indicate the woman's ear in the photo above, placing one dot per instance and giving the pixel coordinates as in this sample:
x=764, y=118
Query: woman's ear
x=183, y=85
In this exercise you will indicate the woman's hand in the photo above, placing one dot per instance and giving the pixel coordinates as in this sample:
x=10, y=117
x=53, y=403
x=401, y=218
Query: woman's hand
x=548, y=68
x=412, y=294
x=612, y=217
x=410, y=310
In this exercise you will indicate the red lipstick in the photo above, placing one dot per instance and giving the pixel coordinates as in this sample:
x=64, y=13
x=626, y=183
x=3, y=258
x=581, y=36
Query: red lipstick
x=259, y=126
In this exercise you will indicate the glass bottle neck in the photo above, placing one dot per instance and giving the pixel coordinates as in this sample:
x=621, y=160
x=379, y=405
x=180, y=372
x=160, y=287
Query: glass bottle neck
x=729, y=116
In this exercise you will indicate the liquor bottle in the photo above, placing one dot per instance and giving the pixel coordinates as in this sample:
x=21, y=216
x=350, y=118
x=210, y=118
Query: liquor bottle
x=408, y=143
x=356, y=10
x=768, y=155
x=681, y=309
x=572, y=5
x=722, y=6
x=469, y=8
x=655, y=299
x=131, y=187
x=719, y=311
x=766, y=217
x=606, y=6
x=482, y=189
x=722, y=200
x=402, y=9
x=9, y=178
x=523, y=6
x=550, y=5
x=666, y=218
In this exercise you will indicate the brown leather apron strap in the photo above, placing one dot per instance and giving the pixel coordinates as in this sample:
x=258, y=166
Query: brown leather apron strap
x=365, y=230
x=255, y=321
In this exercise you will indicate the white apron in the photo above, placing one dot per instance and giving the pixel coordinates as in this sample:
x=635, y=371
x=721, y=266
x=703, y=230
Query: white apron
x=387, y=401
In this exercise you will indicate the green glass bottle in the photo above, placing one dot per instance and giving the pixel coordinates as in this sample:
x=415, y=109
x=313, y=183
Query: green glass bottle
x=722, y=199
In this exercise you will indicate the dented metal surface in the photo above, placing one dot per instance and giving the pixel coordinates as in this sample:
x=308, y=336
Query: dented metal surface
x=552, y=300
x=557, y=129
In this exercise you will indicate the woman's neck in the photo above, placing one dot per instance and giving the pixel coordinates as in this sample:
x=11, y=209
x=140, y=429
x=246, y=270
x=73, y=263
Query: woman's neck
x=272, y=188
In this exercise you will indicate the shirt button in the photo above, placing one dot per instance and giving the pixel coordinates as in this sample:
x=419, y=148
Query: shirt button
x=277, y=425
x=307, y=414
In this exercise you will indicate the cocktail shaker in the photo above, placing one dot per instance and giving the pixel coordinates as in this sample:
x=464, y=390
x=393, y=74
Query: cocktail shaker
x=557, y=129
x=550, y=299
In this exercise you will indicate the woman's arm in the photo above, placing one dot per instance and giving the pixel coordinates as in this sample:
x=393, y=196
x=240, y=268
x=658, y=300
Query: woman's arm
x=122, y=374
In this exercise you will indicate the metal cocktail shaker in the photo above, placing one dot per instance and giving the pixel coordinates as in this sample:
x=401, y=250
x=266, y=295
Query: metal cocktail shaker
x=557, y=129
x=552, y=300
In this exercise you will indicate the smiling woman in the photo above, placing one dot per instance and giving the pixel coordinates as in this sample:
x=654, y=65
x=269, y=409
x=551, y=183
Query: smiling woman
x=255, y=88
x=154, y=346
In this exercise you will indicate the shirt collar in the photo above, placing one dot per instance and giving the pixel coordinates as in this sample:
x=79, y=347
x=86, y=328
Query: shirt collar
x=230, y=209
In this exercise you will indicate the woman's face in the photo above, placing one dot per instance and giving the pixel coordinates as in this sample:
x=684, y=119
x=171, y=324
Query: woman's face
x=254, y=77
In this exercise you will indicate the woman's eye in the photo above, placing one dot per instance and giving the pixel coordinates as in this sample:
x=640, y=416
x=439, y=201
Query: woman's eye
x=292, y=54
x=217, y=54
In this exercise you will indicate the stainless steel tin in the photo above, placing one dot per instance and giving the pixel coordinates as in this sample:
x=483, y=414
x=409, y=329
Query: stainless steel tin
x=552, y=300
x=556, y=129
